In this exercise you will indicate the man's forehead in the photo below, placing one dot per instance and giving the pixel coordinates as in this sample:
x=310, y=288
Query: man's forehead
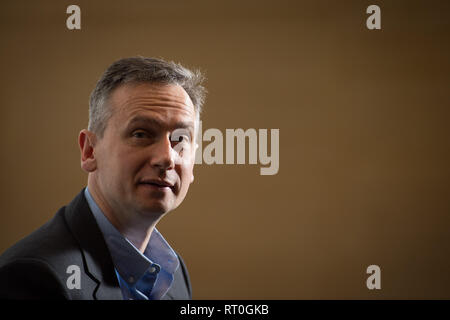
x=152, y=95
x=144, y=120
x=169, y=103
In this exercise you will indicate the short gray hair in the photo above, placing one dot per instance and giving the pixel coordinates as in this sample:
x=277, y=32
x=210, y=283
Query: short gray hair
x=141, y=70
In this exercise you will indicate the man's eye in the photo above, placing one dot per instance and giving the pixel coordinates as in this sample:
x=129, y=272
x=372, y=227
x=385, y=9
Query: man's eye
x=182, y=138
x=139, y=134
x=180, y=135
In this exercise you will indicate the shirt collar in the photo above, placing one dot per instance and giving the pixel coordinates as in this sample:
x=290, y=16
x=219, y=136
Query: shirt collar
x=129, y=262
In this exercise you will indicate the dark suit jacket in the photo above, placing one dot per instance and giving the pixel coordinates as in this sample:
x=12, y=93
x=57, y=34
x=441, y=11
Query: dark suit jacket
x=36, y=266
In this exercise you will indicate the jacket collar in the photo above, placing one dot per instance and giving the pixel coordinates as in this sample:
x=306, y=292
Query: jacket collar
x=97, y=259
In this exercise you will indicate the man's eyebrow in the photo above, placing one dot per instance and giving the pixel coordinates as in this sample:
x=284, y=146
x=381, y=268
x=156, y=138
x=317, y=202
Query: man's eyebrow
x=144, y=121
x=156, y=123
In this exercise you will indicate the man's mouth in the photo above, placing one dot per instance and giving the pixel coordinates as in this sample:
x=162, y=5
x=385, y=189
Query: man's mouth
x=159, y=184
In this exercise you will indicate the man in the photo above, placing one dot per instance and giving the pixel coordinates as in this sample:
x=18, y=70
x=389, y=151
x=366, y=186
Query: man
x=139, y=152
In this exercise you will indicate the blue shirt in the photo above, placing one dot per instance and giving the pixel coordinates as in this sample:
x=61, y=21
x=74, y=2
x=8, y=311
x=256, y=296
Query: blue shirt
x=151, y=272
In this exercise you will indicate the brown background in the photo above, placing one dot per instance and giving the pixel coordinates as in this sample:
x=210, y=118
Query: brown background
x=364, y=137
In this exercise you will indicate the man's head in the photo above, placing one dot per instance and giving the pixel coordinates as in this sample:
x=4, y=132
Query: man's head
x=139, y=148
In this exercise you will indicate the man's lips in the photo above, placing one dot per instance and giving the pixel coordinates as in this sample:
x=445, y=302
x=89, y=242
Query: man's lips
x=158, y=183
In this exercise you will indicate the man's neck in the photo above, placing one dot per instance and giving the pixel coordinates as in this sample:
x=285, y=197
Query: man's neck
x=137, y=232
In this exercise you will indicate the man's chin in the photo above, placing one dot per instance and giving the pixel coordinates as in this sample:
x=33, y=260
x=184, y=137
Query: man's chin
x=154, y=210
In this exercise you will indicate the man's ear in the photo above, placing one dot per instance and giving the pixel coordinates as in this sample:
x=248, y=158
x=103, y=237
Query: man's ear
x=86, y=142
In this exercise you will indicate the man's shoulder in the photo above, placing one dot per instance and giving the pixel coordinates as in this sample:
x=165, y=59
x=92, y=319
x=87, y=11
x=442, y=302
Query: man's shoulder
x=45, y=243
x=54, y=238
x=35, y=267
x=38, y=266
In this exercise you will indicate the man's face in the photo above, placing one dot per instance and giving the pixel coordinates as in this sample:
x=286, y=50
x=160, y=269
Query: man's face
x=145, y=159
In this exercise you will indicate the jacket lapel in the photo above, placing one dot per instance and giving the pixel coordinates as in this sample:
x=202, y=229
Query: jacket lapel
x=96, y=257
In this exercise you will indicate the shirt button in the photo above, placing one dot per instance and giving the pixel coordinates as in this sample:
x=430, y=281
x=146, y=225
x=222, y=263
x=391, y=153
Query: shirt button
x=131, y=279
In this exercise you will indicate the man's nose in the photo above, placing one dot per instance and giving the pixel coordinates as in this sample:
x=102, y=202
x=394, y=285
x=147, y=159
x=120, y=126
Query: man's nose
x=163, y=157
